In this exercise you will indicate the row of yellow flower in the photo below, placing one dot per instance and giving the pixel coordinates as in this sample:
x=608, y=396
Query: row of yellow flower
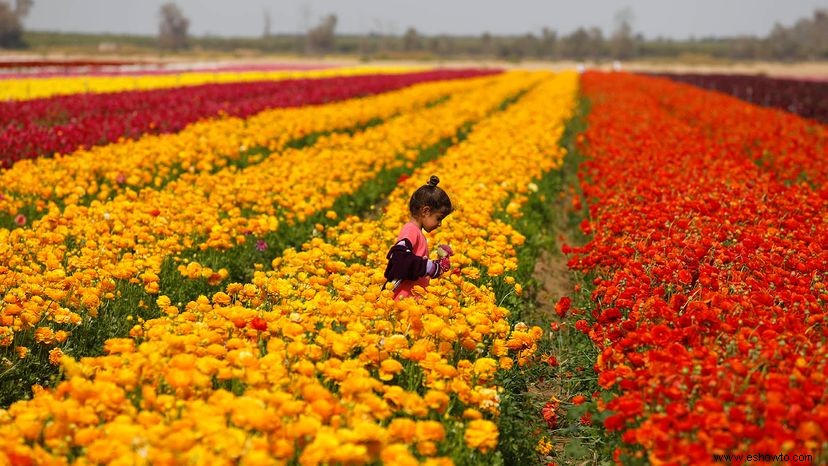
x=317, y=362
x=105, y=171
x=45, y=279
x=33, y=88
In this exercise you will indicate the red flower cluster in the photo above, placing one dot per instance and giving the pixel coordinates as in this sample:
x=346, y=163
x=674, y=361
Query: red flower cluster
x=790, y=147
x=62, y=124
x=710, y=298
x=808, y=98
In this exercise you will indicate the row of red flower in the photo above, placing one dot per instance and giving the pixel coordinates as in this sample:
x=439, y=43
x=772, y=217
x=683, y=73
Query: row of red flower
x=808, y=98
x=20, y=64
x=63, y=124
x=791, y=147
x=710, y=302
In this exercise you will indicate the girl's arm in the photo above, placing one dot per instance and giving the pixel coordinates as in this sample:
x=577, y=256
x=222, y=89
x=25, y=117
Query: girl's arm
x=403, y=264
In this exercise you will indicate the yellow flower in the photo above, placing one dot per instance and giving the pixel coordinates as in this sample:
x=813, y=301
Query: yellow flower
x=389, y=368
x=485, y=368
x=481, y=435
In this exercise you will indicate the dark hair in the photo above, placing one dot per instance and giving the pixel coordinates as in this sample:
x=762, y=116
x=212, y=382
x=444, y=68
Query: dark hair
x=429, y=195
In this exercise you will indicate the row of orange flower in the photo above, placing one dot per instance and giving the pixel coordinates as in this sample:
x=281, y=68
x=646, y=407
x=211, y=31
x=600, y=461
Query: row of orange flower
x=313, y=362
x=710, y=299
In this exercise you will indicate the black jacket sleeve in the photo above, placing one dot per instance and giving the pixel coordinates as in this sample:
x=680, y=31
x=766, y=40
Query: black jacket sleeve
x=403, y=264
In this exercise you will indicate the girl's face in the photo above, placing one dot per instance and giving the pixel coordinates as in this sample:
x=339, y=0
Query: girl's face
x=431, y=219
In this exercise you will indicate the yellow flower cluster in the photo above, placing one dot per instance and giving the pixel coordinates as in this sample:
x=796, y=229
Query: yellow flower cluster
x=34, y=88
x=105, y=171
x=312, y=362
x=129, y=237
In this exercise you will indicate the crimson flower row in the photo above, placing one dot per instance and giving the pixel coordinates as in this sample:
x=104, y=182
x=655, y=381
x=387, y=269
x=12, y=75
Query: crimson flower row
x=709, y=305
x=63, y=124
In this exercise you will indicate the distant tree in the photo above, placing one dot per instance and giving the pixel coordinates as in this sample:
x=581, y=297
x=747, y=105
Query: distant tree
x=549, y=43
x=596, y=45
x=622, y=43
x=528, y=45
x=487, y=44
x=22, y=7
x=172, y=31
x=412, y=40
x=441, y=46
x=320, y=39
x=819, y=37
x=812, y=34
x=781, y=44
x=576, y=45
x=745, y=48
x=11, y=24
x=266, y=33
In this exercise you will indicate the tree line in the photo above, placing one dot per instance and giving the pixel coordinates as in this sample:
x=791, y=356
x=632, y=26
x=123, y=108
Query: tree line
x=807, y=39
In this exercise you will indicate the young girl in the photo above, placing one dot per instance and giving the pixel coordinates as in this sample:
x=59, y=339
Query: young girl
x=408, y=262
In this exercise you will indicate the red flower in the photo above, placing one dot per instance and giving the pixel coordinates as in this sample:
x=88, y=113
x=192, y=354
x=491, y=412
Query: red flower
x=549, y=414
x=563, y=305
x=614, y=422
x=20, y=219
x=259, y=324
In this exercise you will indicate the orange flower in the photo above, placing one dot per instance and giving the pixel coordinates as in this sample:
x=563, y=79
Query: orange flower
x=55, y=355
x=482, y=435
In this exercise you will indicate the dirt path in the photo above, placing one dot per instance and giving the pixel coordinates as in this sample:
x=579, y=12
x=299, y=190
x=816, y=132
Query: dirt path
x=553, y=279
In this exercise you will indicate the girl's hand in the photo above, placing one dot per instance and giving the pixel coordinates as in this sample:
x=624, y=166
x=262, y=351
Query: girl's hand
x=445, y=264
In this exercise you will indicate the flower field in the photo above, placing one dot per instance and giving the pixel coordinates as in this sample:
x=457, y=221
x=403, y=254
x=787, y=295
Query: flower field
x=204, y=285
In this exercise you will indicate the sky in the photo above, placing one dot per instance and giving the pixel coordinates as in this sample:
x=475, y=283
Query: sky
x=652, y=18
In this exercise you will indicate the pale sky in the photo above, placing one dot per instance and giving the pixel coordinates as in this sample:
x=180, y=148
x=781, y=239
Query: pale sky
x=666, y=18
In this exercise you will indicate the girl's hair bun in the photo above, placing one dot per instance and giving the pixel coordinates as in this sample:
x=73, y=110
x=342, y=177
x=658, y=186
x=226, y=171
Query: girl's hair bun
x=433, y=181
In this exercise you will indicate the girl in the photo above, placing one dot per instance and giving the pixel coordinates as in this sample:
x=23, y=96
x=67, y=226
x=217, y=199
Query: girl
x=408, y=262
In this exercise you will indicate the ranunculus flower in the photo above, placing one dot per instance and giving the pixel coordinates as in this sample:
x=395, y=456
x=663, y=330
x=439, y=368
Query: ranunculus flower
x=257, y=323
